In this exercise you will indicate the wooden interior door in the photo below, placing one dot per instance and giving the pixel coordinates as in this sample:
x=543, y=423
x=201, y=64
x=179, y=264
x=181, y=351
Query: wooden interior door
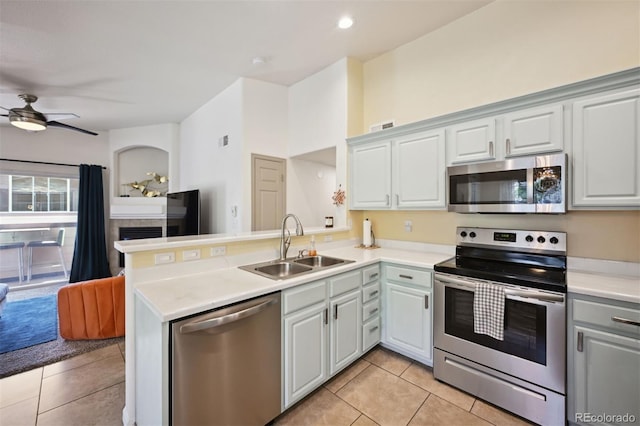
x=268, y=192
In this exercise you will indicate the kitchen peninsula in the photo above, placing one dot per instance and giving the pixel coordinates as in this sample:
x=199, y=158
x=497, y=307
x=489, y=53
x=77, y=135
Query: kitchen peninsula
x=165, y=292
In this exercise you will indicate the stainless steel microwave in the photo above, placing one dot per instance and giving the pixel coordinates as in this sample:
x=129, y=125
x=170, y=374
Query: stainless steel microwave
x=518, y=185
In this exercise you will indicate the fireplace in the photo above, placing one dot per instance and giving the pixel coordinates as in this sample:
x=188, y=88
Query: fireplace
x=137, y=233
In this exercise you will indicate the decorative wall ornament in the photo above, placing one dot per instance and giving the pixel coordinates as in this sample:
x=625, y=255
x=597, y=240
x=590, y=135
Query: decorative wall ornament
x=156, y=186
x=338, y=196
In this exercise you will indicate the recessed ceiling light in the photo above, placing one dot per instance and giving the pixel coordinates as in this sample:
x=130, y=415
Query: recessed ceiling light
x=345, y=22
x=258, y=60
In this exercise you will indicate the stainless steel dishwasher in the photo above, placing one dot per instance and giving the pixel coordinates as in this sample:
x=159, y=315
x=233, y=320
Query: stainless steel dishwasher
x=225, y=365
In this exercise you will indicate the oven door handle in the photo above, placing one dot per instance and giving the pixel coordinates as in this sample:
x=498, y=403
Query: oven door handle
x=528, y=294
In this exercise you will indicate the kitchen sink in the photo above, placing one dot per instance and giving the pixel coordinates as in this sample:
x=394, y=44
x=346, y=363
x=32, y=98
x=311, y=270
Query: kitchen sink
x=319, y=261
x=283, y=269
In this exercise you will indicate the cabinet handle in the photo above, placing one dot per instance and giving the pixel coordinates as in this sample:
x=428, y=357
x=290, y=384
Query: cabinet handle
x=491, y=148
x=373, y=311
x=580, y=341
x=397, y=199
x=426, y=301
x=326, y=316
x=372, y=276
x=335, y=311
x=373, y=293
x=508, y=146
x=408, y=277
x=625, y=321
x=388, y=199
x=373, y=329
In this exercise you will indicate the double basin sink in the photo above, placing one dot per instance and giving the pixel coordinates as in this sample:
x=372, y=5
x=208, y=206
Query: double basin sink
x=289, y=268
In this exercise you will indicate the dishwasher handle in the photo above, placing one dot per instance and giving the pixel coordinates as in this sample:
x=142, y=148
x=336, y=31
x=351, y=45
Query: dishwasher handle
x=225, y=319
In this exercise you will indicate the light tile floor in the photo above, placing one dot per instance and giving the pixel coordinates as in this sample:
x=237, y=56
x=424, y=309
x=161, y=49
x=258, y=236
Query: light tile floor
x=383, y=388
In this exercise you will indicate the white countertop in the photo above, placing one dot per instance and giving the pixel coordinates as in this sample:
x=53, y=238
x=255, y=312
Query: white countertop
x=184, y=295
x=176, y=297
x=616, y=287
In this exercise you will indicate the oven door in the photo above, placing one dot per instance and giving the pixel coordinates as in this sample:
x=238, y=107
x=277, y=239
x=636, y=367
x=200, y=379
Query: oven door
x=533, y=348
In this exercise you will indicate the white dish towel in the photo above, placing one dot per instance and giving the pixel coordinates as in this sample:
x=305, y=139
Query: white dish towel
x=488, y=310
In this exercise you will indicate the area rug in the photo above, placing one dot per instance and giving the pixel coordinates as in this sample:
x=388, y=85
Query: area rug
x=58, y=349
x=28, y=322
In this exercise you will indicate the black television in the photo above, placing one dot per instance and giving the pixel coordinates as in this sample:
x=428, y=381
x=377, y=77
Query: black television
x=183, y=213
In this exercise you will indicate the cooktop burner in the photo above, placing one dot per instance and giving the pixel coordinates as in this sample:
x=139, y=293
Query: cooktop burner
x=527, y=258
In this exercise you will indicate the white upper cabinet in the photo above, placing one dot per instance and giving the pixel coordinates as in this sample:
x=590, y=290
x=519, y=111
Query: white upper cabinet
x=533, y=131
x=606, y=150
x=471, y=141
x=371, y=176
x=419, y=170
x=521, y=132
x=401, y=172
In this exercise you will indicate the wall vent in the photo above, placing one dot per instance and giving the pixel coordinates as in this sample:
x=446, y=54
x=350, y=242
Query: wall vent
x=381, y=126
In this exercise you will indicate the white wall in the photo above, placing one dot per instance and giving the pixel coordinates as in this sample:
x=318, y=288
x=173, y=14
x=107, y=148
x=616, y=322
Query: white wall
x=318, y=110
x=215, y=170
x=54, y=145
x=312, y=185
x=265, y=117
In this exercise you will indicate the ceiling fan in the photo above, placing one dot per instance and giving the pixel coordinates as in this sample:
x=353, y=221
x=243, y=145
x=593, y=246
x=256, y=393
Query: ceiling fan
x=28, y=118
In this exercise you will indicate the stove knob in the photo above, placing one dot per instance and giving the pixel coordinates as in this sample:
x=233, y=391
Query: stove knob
x=541, y=239
x=463, y=234
x=553, y=240
x=529, y=238
x=472, y=234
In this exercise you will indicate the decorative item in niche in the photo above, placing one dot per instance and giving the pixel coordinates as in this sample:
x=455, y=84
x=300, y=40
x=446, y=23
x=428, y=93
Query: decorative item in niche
x=338, y=196
x=155, y=186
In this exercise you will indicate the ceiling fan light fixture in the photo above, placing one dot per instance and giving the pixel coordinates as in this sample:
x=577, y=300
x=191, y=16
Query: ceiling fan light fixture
x=27, y=123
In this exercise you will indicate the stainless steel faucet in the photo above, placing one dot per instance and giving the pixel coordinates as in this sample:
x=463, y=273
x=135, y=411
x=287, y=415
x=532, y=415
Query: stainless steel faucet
x=286, y=242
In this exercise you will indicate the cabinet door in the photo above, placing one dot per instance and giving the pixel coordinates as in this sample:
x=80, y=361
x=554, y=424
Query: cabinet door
x=305, y=352
x=346, y=330
x=471, y=141
x=371, y=176
x=606, y=376
x=606, y=150
x=408, y=320
x=534, y=131
x=419, y=170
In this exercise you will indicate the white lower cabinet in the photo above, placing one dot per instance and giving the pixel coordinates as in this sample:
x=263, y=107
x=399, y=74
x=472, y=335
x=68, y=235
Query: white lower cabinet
x=603, y=355
x=407, y=326
x=346, y=329
x=322, y=332
x=306, y=353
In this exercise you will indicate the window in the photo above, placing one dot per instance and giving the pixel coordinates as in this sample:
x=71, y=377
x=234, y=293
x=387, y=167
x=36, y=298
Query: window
x=22, y=194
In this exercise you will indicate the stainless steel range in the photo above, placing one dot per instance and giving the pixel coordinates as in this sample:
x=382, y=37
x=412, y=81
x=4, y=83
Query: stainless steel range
x=520, y=366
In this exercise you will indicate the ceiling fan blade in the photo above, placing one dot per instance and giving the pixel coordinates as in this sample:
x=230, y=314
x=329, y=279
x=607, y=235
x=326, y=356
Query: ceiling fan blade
x=60, y=115
x=66, y=126
x=4, y=115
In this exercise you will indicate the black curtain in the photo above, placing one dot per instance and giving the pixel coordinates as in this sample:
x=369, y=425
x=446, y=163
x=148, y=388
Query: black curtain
x=90, y=259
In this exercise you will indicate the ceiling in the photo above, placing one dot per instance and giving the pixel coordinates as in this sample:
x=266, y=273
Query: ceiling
x=120, y=64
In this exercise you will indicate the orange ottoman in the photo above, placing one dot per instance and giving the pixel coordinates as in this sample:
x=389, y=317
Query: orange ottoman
x=92, y=309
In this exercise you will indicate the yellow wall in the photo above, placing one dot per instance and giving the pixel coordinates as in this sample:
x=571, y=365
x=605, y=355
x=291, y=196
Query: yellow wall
x=503, y=50
x=612, y=235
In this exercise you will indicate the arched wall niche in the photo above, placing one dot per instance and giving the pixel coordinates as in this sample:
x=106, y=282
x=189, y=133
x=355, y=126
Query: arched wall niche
x=132, y=165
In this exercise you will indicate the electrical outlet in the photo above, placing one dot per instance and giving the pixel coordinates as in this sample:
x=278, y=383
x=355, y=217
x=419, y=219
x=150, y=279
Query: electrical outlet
x=328, y=238
x=408, y=226
x=218, y=251
x=191, y=254
x=162, y=258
